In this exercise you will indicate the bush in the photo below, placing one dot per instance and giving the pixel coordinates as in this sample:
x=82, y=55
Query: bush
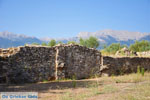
x=140, y=46
x=113, y=48
x=74, y=84
x=44, y=44
x=138, y=70
x=142, y=71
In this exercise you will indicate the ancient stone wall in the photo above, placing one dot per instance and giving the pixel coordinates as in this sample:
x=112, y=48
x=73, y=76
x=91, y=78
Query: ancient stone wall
x=82, y=62
x=38, y=63
x=3, y=69
x=30, y=64
x=123, y=65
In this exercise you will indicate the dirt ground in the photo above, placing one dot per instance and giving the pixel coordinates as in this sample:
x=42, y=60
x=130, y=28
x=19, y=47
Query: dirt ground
x=104, y=88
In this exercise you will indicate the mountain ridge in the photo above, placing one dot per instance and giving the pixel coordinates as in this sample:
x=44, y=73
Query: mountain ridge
x=108, y=36
x=120, y=35
x=9, y=39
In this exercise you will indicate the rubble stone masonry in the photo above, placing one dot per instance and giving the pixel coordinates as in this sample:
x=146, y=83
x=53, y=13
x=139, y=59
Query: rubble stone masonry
x=123, y=65
x=38, y=63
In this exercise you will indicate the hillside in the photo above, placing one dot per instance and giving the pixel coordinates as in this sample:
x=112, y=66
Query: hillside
x=113, y=36
x=9, y=39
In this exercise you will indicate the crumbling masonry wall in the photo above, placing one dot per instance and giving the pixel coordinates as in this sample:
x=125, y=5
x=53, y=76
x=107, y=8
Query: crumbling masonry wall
x=29, y=64
x=77, y=61
x=38, y=63
x=123, y=65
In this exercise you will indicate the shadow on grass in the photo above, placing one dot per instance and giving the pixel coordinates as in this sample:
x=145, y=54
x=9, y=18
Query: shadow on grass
x=41, y=87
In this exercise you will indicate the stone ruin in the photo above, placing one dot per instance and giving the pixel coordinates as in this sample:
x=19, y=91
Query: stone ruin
x=125, y=52
x=144, y=54
x=123, y=65
x=37, y=63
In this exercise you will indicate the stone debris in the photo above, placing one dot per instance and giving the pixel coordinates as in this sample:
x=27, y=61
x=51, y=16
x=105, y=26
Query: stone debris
x=125, y=52
x=144, y=54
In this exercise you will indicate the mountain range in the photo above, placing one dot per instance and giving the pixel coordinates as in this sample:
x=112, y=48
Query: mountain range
x=9, y=39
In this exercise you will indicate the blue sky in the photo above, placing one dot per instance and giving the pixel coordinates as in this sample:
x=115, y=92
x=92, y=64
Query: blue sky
x=66, y=18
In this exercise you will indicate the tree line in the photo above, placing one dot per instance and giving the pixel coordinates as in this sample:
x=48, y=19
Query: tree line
x=138, y=46
x=91, y=42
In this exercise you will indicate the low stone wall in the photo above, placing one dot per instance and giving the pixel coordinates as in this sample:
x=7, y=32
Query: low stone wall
x=38, y=63
x=123, y=65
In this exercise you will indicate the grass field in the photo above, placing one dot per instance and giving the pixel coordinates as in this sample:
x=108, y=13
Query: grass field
x=127, y=87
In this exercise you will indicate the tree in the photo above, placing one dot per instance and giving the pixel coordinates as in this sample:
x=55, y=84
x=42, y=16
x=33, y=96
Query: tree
x=82, y=42
x=92, y=42
x=52, y=43
x=44, y=44
x=140, y=46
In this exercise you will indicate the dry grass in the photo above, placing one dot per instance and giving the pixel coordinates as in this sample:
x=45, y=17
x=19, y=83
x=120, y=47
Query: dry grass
x=131, y=78
x=139, y=91
x=126, y=87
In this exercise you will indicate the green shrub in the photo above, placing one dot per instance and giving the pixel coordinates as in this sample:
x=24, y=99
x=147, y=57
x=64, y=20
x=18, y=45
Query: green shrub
x=113, y=48
x=74, y=84
x=44, y=44
x=142, y=71
x=45, y=80
x=138, y=70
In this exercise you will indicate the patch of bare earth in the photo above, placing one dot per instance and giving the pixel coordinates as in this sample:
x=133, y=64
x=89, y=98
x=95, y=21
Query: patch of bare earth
x=127, y=87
